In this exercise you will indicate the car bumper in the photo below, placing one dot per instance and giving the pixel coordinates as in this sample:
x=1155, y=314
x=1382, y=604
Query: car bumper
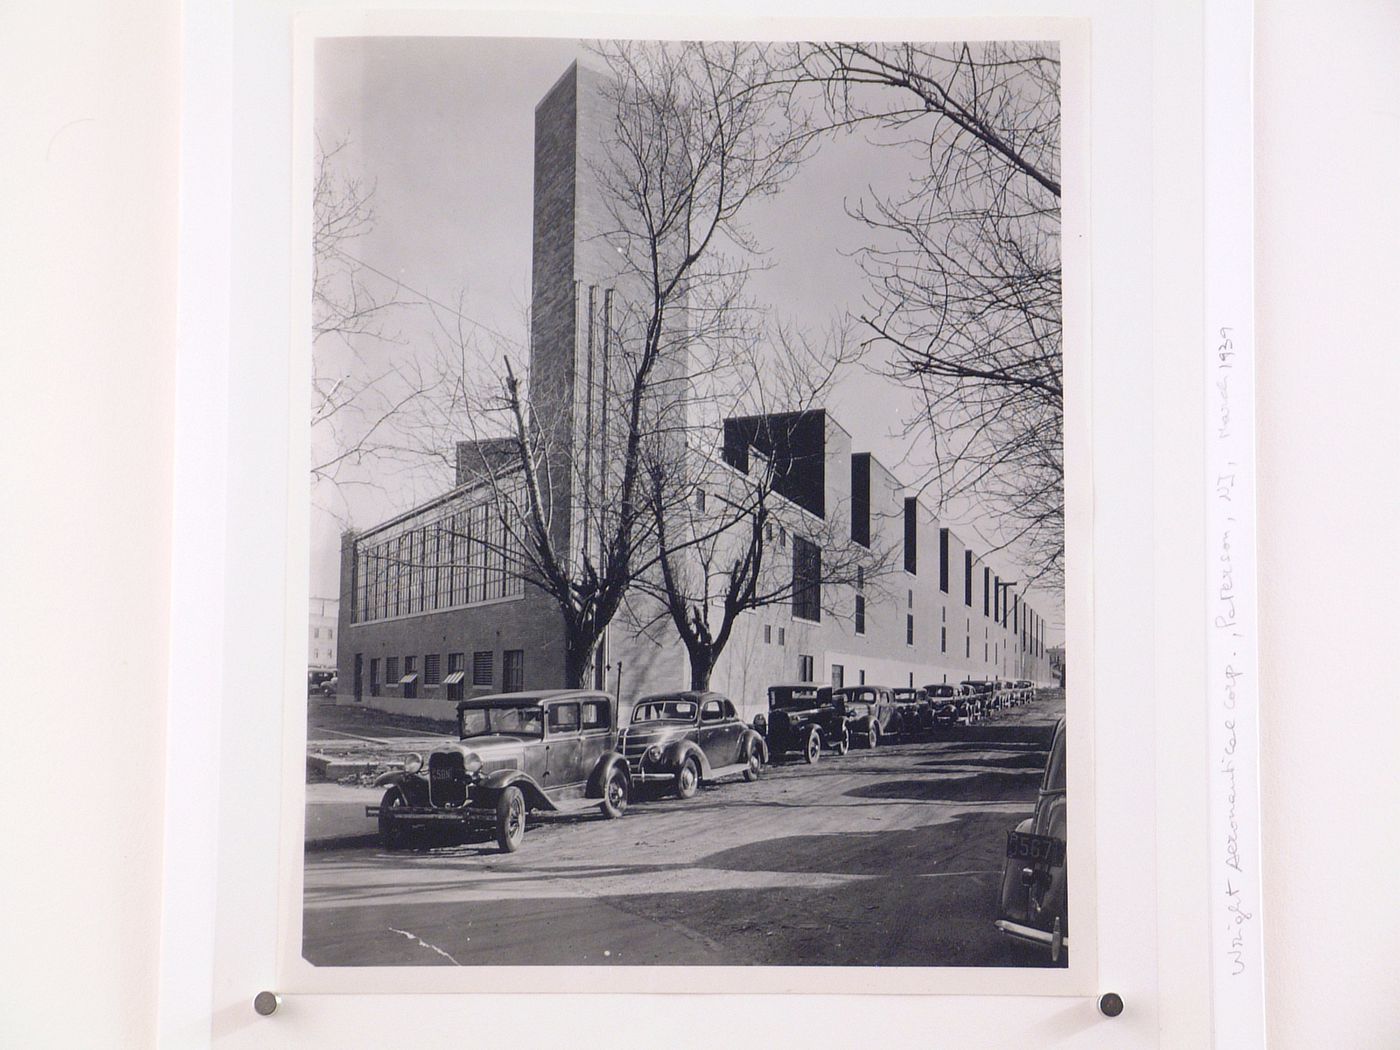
x=1053, y=939
x=425, y=815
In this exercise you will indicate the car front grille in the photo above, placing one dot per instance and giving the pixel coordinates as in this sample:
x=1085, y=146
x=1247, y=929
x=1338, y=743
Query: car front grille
x=447, y=778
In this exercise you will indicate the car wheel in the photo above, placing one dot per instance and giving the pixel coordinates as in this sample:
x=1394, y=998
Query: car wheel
x=843, y=742
x=687, y=779
x=392, y=835
x=753, y=768
x=614, y=802
x=510, y=819
x=872, y=740
x=812, y=746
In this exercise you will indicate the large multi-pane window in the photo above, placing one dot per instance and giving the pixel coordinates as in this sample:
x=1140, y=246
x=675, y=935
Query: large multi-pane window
x=806, y=579
x=967, y=578
x=911, y=535
x=986, y=592
x=806, y=668
x=461, y=557
x=456, y=674
x=432, y=669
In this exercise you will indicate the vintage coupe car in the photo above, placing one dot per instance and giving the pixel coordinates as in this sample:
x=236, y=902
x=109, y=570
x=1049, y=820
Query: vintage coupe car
x=915, y=711
x=1027, y=688
x=1032, y=906
x=552, y=751
x=871, y=713
x=804, y=718
x=682, y=739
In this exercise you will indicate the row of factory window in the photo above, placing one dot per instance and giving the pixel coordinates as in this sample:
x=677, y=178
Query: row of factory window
x=462, y=558
x=406, y=677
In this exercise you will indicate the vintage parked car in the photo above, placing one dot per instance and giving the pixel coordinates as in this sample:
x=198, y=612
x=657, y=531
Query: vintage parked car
x=1032, y=906
x=1027, y=689
x=551, y=751
x=950, y=704
x=871, y=714
x=804, y=718
x=983, y=697
x=684, y=739
x=915, y=711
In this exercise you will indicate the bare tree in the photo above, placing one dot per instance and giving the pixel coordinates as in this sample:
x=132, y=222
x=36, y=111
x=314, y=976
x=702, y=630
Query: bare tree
x=732, y=533
x=690, y=141
x=964, y=262
x=361, y=388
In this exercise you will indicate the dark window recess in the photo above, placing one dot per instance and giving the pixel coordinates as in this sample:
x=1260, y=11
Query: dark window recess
x=986, y=592
x=860, y=498
x=374, y=678
x=794, y=443
x=860, y=614
x=943, y=639
x=909, y=629
x=996, y=598
x=483, y=667
x=806, y=579
x=967, y=578
x=513, y=670
x=806, y=669
x=911, y=535
x=432, y=669
x=767, y=634
x=782, y=636
x=391, y=670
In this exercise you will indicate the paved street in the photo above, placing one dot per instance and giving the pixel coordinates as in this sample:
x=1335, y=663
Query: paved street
x=889, y=857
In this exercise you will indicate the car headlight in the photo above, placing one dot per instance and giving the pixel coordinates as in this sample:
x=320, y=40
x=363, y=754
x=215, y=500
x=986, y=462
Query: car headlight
x=472, y=763
x=653, y=754
x=413, y=763
x=760, y=722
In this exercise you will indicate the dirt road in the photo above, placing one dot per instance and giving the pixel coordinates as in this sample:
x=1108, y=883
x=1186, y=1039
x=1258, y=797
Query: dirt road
x=888, y=857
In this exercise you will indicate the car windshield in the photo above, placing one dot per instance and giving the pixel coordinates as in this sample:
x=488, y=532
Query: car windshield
x=515, y=721
x=940, y=690
x=669, y=709
x=861, y=695
x=793, y=697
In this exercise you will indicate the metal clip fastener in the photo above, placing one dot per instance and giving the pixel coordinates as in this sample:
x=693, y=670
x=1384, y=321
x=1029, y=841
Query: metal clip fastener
x=266, y=1003
x=1110, y=1004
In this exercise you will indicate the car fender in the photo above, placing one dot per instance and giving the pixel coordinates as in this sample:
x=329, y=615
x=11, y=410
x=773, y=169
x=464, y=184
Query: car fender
x=413, y=786
x=751, y=740
x=535, y=798
x=609, y=761
x=678, y=751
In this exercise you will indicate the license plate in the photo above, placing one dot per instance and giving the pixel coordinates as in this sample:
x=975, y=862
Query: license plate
x=1037, y=850
x=442, y=774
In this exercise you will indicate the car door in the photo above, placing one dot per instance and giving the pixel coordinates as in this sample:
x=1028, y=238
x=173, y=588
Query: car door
x=562, y=746
x=719, y=732
x=595, y=732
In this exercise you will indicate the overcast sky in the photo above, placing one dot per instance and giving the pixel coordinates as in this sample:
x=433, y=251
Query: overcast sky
x=443, y=129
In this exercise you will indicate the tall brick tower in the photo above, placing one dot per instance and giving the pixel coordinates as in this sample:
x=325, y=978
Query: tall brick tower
x=587, y=310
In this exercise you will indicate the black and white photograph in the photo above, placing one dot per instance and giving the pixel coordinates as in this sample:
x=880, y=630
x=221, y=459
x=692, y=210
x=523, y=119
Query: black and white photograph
x=687, y=505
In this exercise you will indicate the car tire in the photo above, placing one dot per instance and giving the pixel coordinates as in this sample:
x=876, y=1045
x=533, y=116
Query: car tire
x=812, y=746
x=843, y=742
x=753, y=767
x=510, y=819
x=393, y=836
x=615, y=792
x=688, y=779
x=872, y=740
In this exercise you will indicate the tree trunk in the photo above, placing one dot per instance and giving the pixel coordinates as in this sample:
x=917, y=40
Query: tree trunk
x=578, y=657
x=702, y=665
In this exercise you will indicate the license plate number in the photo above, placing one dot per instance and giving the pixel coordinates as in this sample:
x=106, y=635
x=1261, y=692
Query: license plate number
x=442, y=774
x=1038, y=850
